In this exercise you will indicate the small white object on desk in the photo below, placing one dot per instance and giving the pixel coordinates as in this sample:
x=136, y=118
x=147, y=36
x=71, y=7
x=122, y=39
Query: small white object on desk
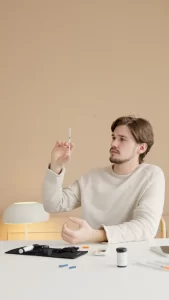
x=101, y=252
x=26, y=249
x=121, y=257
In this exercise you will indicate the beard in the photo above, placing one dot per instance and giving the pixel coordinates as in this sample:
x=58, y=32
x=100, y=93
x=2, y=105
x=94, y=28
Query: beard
x=118, y=161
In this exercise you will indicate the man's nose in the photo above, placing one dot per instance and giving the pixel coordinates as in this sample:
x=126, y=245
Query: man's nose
x=114, y=143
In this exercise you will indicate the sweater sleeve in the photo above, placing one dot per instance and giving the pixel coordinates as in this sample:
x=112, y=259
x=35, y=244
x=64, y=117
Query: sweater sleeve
x=58, y=199
x=146, y=216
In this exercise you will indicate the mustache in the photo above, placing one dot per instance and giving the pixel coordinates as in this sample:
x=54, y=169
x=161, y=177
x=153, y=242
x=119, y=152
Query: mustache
x=114, y=149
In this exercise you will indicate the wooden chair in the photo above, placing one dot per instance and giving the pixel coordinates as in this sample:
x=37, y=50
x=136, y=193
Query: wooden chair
x=162, y=232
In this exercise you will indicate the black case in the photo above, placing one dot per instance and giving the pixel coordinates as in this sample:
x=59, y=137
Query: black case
x=46, y=251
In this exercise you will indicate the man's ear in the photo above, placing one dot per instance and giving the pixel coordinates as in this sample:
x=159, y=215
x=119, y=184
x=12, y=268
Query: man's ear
x=142, y=148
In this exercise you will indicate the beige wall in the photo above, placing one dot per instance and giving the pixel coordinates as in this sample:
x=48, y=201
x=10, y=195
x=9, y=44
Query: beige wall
x=77, y=64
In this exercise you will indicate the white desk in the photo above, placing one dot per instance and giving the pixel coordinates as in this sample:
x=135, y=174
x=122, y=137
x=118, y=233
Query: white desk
x=23, y=278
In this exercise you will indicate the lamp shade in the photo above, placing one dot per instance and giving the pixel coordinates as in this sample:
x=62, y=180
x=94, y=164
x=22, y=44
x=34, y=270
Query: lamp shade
x=25, y=213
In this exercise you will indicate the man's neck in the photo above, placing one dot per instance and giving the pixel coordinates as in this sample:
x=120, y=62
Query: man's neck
x=125, y=168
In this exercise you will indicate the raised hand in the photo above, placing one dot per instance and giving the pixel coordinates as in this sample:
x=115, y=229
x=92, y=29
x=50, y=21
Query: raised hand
x=60, y=155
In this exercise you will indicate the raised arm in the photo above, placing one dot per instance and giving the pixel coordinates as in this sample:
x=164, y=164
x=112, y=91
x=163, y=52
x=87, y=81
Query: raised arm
x=55, y=197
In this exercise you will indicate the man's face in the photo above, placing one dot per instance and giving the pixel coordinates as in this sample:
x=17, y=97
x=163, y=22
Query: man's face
x=123, y=146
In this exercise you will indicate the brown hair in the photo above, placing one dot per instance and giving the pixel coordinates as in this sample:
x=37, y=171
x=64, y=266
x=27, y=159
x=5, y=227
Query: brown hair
x=141, y=130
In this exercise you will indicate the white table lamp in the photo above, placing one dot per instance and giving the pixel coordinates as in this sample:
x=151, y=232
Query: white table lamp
x=25, y=213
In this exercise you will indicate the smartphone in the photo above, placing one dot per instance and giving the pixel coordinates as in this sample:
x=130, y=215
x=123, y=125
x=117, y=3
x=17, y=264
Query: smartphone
x=101, y=252
x=162, y=250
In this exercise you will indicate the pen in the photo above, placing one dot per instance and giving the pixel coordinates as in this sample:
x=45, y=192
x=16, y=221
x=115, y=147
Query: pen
x=69, y=139
x=148, y=264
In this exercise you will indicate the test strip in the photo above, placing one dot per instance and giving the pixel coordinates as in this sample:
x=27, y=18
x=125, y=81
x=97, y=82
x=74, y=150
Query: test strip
x=62, y=266
x=72, y=267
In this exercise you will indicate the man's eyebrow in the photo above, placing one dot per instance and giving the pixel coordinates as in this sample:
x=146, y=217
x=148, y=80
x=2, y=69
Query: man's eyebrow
x=120, y=135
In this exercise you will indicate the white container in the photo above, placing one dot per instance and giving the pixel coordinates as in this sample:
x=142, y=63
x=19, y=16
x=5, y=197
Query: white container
x=122, y=257
x=26, y=249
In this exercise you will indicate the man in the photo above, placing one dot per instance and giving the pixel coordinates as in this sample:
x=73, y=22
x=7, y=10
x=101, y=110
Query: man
x=120, y=203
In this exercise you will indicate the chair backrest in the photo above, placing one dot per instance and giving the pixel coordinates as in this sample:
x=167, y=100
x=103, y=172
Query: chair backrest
x=162, y=232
